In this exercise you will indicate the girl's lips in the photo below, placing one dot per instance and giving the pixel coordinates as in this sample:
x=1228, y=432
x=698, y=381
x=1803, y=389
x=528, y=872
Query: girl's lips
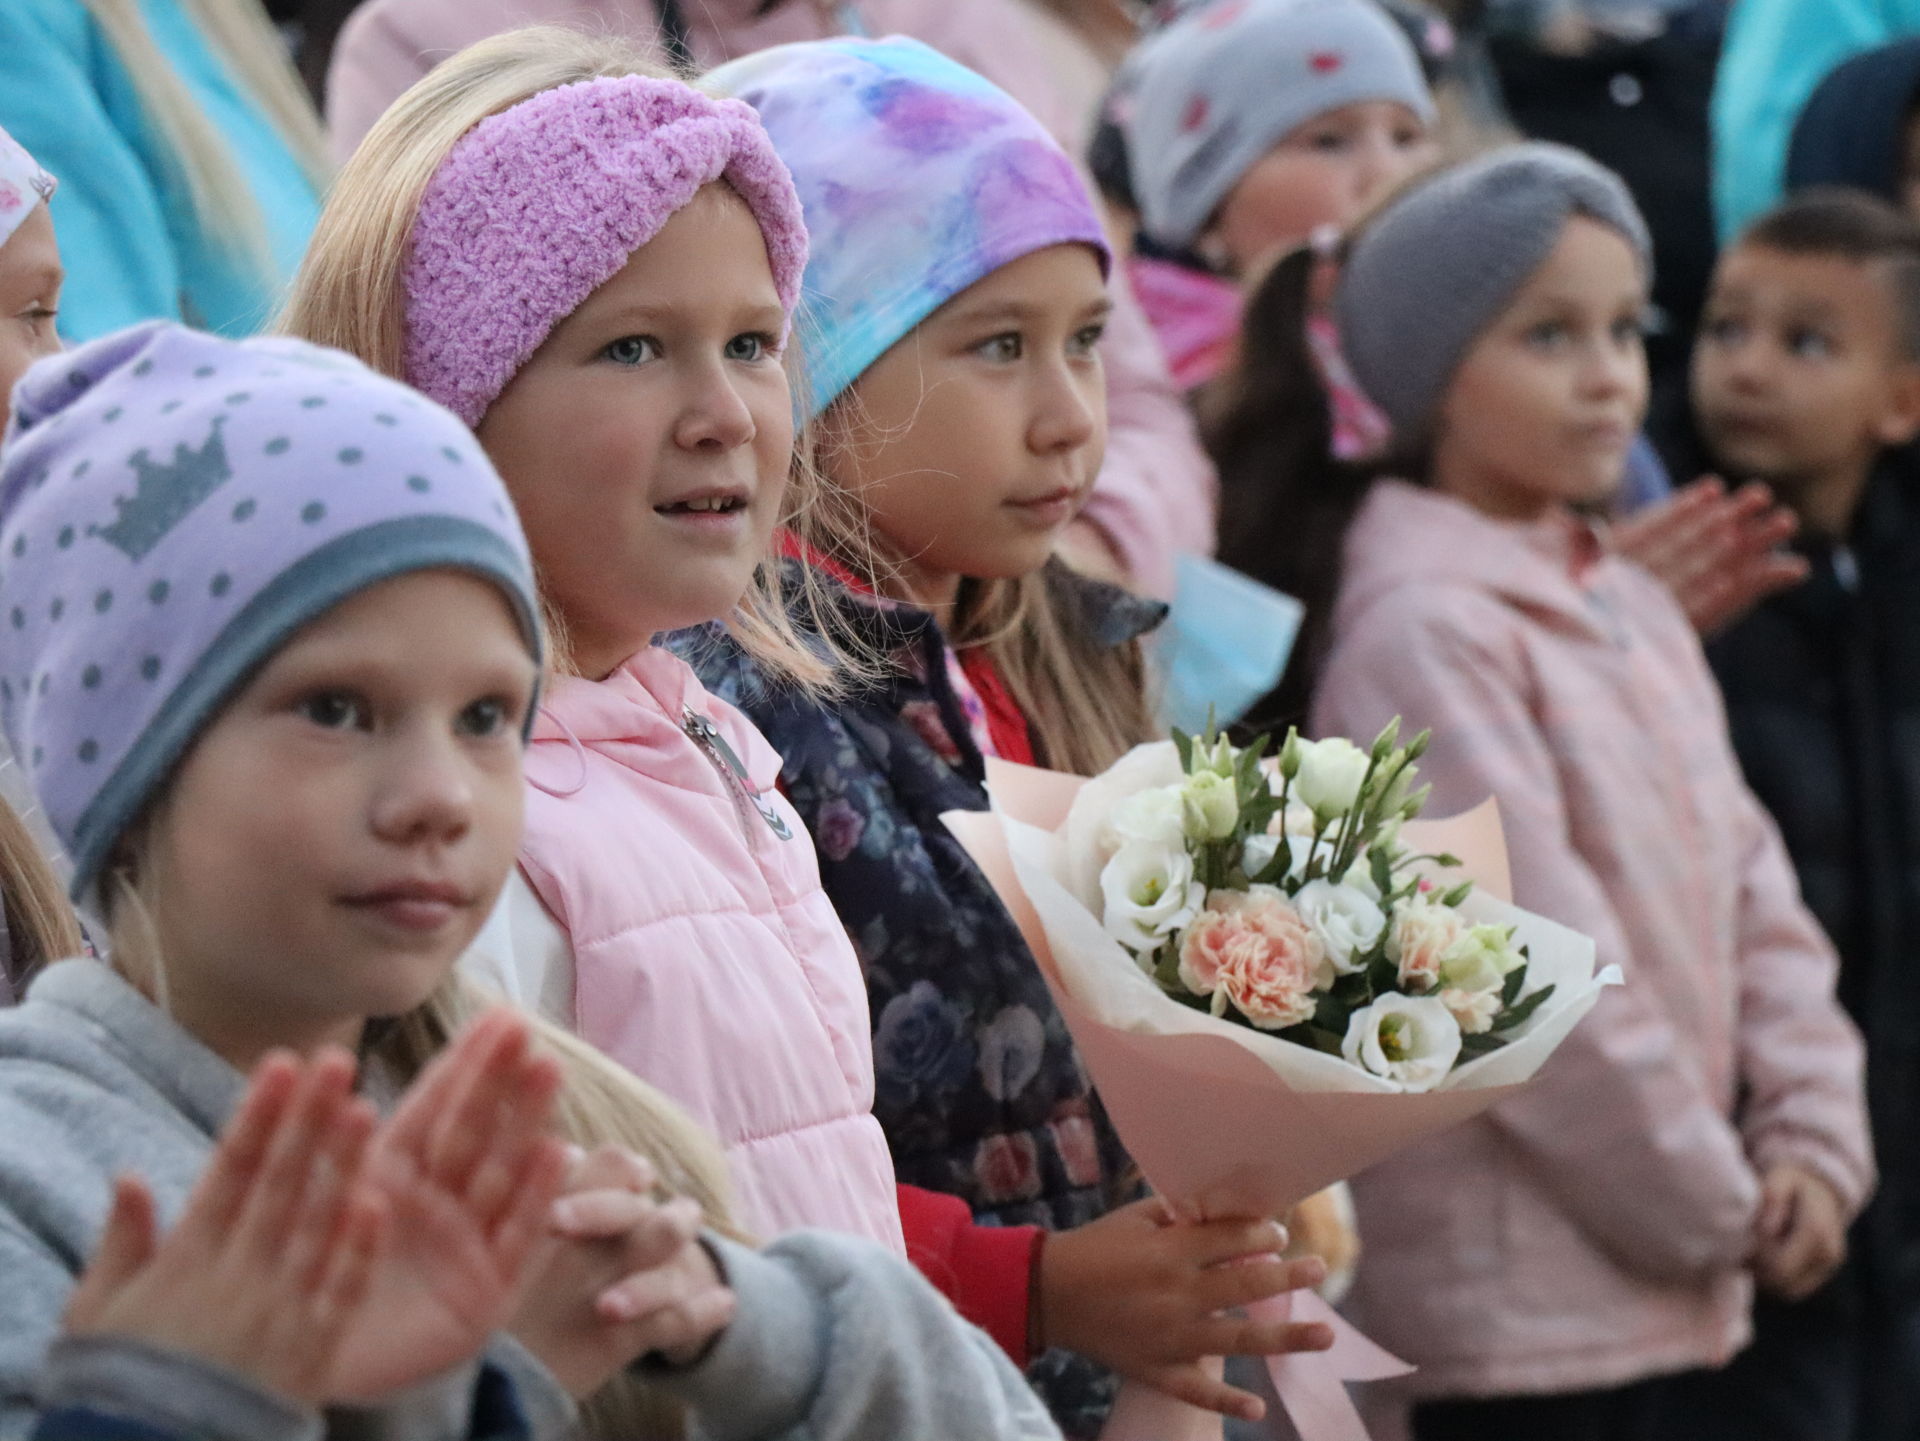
x=1054, y=508
x=419, y=907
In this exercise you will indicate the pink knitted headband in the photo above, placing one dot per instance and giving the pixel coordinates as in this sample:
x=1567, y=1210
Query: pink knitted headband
x=540, y=205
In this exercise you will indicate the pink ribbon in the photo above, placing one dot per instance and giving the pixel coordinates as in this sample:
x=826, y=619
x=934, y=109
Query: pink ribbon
x=1311, y=1385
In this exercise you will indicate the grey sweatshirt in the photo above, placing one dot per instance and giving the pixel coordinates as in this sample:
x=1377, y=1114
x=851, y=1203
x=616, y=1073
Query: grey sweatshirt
x=833, y=1339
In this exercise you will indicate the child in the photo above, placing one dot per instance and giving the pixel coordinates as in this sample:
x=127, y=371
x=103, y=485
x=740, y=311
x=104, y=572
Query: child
x=1807, y=376
x=1249, y=126
x=1556, y=1258
x=629, y=387
x=275, y=709
x=957, y=300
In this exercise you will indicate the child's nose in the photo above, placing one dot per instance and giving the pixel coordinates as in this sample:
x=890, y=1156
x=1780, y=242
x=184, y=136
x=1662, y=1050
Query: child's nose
x=715, y=416
x=1070, y=414
x=426, y=795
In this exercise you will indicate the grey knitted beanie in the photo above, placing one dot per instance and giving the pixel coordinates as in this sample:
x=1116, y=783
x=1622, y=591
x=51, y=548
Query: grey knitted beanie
x=1437, y=266
x=1204, y=99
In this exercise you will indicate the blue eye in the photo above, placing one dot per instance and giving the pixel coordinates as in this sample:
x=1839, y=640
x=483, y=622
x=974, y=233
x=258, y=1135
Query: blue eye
x=632, y=350
x=1809, y=344
x=754, y=345
x=335, y=710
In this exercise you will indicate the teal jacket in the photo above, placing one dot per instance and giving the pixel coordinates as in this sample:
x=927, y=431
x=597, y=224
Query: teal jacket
x=132, y=245
x=1776, y=53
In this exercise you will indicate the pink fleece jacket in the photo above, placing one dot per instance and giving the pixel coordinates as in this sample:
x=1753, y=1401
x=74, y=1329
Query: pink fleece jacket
x=1592, y=1230
x=707, y=959
x=1157, y=496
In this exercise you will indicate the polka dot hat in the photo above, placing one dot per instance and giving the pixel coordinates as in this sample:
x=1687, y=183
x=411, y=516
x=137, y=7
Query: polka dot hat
x=173, y=507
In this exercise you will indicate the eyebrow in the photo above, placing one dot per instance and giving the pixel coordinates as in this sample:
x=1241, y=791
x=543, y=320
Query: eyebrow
x=994, y=311
x=638, y=313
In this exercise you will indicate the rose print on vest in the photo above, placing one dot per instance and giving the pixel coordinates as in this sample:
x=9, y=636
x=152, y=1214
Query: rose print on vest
x=165, y=494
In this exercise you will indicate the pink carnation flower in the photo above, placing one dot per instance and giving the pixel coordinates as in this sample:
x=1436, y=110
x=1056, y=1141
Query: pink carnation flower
x=1253, y=949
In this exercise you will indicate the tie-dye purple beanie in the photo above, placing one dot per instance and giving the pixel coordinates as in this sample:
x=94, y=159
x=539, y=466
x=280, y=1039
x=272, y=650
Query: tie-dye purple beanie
x=918, y=177
x=173, y=507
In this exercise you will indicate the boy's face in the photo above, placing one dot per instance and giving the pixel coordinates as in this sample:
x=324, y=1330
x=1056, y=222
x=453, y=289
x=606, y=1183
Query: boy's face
x=1800, y=375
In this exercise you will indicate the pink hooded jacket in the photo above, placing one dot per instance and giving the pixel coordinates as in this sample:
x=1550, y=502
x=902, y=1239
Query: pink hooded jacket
x=1157, y=496
x=1593, y=1230
x=724, y=977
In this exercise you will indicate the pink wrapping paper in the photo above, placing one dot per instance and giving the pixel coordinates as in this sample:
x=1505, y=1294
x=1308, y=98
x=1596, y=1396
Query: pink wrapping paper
x=1263, y=1145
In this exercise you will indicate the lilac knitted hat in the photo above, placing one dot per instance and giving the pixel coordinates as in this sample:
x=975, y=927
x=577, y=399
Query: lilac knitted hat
x=173, y=507
x=537, y=207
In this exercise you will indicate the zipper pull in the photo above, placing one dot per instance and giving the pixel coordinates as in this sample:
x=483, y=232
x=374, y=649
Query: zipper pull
x=706, y=735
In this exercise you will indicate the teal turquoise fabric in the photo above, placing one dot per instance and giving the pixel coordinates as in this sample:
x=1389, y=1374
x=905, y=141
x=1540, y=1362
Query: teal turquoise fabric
x=132, y=245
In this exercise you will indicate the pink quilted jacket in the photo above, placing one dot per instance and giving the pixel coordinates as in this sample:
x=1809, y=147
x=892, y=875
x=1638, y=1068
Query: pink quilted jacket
x=1592, y=1230
x=707, y=959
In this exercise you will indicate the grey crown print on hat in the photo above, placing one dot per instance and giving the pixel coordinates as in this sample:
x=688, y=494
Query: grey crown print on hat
x=166, y=493
x=173, y=507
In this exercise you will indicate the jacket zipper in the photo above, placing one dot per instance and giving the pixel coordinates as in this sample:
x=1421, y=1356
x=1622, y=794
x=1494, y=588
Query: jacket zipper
x=706, y=735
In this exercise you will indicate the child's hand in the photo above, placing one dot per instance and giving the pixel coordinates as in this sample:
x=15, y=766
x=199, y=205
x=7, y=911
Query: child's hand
x=622, y=1274
x=1145, y=1296
x=467, y=1171
x=1718, y=553
x=269, y=1265
x=1800, y=1238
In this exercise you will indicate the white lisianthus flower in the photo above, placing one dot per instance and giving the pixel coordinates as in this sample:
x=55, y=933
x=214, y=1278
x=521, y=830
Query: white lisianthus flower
x=1412, y=1041
x=1347, y=920
x=1210, y=805
x=1150, y=893
x=1476, y=1011
x=1331, y=772
x=1480, y=960
x=1155, y=816
x=1258, y=853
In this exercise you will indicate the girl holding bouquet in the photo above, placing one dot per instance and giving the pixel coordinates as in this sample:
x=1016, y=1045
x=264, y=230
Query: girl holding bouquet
x=957, y=298
x=1555, y=1267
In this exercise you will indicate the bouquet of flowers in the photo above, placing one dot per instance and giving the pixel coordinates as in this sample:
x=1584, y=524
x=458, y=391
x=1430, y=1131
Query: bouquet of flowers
x=1284, y=896
x=1276, y=976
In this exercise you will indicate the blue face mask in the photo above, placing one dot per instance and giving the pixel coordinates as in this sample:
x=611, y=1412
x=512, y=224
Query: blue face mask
x=1225, y=643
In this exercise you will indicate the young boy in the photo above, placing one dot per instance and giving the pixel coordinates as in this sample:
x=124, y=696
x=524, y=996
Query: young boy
x=1806, y=376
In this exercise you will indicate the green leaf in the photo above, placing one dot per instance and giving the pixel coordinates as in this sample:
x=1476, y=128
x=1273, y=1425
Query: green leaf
x=1516, y=983
x=1380, y=867
x=1183, y=743
x=1484, y=1044
x=1524, y=1010
x=1459, y=893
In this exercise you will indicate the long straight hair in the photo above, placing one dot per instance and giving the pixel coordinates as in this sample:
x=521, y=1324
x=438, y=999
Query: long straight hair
x=1085, y=704
x=349, y=294
x=239, y=33
x=41, y=925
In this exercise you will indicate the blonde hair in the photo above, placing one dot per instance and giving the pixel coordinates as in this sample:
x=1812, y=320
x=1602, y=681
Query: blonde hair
x=41, y=925
x=600, y=1103
x=239, y=33
x=1085, y=704
x=349, y=294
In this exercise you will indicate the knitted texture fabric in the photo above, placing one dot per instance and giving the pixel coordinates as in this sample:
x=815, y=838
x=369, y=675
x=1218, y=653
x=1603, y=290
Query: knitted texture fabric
x=173, y=507
x=23, y=185
x=1438, y=265
x=1202, y=101
x=919, y=178
x=537, y=207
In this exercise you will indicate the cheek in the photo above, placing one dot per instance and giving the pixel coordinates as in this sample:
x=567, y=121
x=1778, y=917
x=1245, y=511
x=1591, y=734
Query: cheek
x=1284, y=199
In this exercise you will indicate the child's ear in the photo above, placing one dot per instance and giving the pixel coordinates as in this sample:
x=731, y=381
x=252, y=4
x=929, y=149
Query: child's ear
x=1900, y=419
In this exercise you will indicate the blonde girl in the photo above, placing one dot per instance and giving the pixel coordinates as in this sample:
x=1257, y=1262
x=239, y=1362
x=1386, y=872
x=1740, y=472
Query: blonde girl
x=630, y=384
